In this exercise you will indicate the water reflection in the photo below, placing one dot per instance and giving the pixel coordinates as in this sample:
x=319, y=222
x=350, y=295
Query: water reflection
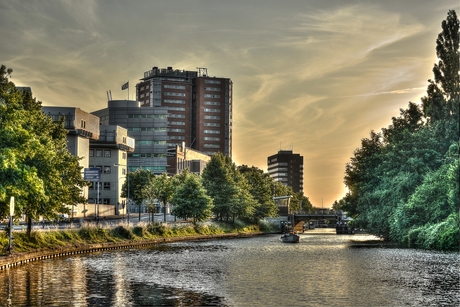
x=262, y=271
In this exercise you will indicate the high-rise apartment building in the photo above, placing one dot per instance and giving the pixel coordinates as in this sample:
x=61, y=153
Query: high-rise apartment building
x=287, y=168
x=199, y=107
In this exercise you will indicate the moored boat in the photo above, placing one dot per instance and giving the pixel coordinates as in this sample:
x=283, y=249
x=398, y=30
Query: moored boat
x=290, y=237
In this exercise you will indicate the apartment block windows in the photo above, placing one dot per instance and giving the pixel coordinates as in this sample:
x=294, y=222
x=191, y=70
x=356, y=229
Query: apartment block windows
x=107, y=153
x=107, y=170
x=99, y=153
x=106, y=185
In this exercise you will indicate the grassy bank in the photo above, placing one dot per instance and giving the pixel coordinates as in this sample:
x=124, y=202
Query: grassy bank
x=91, y=233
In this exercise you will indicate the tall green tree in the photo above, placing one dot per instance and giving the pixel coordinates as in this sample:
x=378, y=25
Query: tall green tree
x=35, y=165
x=191, y=200
x=220, y=185
x=261, y=188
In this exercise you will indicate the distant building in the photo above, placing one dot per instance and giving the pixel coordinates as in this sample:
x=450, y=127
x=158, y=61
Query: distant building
x=181, y=158
x=287, y=168
x=82, y=127
x=147, y=126
x=109, y=153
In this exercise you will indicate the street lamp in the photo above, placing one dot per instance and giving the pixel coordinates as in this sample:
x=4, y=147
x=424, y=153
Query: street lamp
x=127, y=178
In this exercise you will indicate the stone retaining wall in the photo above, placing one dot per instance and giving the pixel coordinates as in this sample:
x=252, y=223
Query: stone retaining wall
x=23, y=258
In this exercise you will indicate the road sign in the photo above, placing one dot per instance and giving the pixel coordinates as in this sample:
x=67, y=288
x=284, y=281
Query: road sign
x=92, y=174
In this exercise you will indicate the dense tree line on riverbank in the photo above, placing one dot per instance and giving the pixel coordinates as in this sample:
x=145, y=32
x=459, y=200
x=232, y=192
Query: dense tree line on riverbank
x=404, y=180
x=224, y=191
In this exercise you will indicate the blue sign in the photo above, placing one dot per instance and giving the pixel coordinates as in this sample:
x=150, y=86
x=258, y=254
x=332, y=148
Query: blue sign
x=92, y=174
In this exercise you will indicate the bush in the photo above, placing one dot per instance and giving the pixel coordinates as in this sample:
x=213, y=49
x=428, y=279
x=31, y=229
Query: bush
x=122, y=232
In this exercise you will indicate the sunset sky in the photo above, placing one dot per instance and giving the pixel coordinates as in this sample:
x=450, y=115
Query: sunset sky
x=312, y=76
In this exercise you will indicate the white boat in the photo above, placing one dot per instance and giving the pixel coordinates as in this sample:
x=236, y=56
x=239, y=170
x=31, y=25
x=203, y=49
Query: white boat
x=290, y=237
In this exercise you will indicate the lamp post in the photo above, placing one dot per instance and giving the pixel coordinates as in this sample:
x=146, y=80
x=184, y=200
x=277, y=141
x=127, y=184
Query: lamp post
x=127, y=178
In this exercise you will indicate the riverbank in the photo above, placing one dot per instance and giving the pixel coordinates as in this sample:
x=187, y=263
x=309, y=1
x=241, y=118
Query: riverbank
x=16, y=259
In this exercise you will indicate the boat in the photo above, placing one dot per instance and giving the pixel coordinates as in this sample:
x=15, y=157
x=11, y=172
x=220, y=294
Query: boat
x=290, y=237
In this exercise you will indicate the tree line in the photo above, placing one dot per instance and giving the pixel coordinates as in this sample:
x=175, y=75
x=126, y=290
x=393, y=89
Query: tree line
x=403, y=181
x=225, y=192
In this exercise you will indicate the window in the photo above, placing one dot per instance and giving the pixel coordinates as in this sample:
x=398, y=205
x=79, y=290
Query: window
x=212, y=110
x=177, y=101
x=212, y=88
x=91, y=152
x=212, y=124
x=212, y=103
x=212, y=131
x=208, y=138
x=210, y=81
x=176, y=130
x=106, y=201
x=211, y=117
x=211, y=96
x=83, y=124
x=177, y=87
x=106, y=169
x=107, y=153
x=211, y=146
x=176, y=109
x=99, y=153
x=172, y=115
x=177, y=123
x=177, y=137
x=106, y=185
x=174, y=94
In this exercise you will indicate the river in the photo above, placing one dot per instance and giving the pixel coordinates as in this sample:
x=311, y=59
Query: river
x=321, y=270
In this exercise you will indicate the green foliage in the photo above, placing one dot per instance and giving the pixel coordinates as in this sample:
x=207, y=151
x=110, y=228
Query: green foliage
x=191, y=200
x=35, y=165
x=404, y=182
x=123, y=232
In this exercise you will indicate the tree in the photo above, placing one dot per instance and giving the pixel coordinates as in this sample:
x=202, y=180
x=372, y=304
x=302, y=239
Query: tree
x=164, y=187
x=191, y=201
x=138, y=181
x=35, y=165
x=443, y=92
x=220, y=185
x=260, y=187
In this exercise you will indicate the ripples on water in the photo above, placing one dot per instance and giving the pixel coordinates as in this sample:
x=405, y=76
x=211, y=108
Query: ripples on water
x=322, y=270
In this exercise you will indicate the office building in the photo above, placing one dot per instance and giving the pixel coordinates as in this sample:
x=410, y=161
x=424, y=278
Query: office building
x=199, y=107
x=287, y=168
x=109, y=154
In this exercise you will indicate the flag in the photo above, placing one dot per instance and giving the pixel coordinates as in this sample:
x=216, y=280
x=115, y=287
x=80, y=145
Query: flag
x=125, y=86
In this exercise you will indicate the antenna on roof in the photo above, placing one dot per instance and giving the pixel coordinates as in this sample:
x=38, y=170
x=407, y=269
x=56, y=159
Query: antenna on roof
x=109, y=95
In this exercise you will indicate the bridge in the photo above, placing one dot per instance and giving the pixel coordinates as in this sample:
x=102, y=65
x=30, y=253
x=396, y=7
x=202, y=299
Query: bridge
x=320, y=217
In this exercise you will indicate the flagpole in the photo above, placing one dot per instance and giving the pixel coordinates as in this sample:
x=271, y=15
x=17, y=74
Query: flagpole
x=128, y=89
